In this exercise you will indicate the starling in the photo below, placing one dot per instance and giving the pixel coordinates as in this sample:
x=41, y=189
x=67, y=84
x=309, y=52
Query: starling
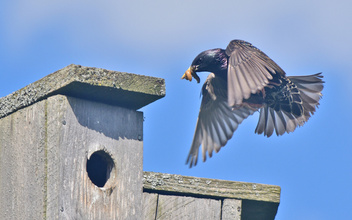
x=244, y=80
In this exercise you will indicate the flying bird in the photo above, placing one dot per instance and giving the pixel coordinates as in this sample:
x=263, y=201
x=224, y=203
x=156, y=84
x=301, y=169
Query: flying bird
x=244, y=80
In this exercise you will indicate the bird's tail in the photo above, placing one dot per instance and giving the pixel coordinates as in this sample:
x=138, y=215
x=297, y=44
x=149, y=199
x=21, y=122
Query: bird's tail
x=291, y=106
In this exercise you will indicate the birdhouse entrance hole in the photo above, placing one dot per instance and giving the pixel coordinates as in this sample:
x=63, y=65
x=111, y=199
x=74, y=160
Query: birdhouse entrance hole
x=99, y=167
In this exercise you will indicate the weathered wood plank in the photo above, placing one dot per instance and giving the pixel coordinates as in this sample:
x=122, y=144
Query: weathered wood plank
x=149, y=205
x=116, y=88
x=22, y=153
x=75, y=129
x=231, y=209
x=182, y=207
x=210, y=187
x=44, y=150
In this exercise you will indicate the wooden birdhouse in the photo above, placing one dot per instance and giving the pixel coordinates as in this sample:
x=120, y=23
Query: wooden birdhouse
x=71, y=147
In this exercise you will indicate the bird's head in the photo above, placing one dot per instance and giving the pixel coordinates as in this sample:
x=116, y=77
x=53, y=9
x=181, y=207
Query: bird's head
x=213, y=60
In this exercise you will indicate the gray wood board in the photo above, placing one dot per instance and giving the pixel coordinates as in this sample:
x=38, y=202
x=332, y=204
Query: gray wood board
x=177, y=184
x=150, y=201
x=76, y=129
x=44, y=150
x=22, y=155
x=231, y=209
x=101, y=85
x=183, y=207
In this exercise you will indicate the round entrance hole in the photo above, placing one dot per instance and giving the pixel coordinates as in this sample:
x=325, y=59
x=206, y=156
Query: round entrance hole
x=99, y=167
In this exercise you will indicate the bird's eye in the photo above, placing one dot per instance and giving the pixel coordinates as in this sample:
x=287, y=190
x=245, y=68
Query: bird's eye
x=200, y=60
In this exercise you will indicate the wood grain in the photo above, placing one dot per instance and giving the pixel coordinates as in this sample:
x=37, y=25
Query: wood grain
x=210, y=187
x=182, y=207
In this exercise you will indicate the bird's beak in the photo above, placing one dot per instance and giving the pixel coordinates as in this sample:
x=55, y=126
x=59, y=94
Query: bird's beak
x=189, y=73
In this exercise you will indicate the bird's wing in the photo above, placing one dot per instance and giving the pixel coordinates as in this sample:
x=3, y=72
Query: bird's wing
x=306, y=93
x=216, y=120
x=249, y=71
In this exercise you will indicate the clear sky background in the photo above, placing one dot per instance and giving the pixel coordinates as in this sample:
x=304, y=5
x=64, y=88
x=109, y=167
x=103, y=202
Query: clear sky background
x=160, y=38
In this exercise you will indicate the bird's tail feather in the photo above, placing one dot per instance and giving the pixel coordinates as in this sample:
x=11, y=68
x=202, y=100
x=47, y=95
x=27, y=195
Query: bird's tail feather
x=282, y=121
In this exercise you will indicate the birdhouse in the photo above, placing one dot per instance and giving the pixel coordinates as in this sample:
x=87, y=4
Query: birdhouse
x=71, y=147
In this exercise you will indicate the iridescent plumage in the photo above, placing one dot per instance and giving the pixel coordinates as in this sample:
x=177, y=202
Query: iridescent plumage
x=243, y=80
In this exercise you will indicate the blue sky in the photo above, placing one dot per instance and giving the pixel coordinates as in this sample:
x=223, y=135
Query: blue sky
x=312, y=165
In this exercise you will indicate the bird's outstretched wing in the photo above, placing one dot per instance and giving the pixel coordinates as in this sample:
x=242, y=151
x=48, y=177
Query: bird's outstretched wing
x=216, y=120
x=305, y=93
x=249, y=71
